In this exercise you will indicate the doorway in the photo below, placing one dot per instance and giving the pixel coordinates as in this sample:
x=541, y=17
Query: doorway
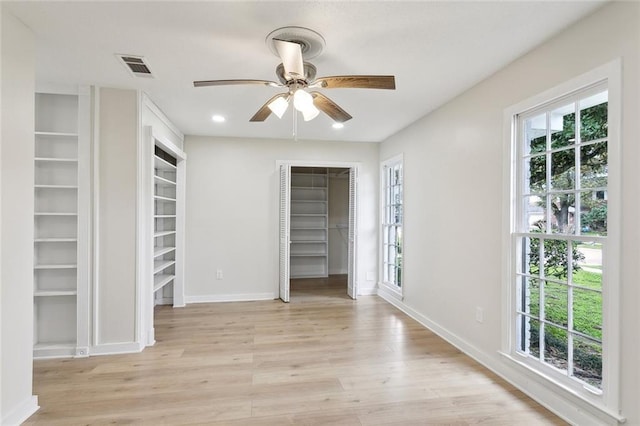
x=317, y=227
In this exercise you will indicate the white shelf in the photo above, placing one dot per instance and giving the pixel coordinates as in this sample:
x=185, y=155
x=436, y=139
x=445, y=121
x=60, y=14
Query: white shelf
x=308, y=224
x=164, y=181
x=308, y=227
x=163, y=233
x=160, y=265
x=57, y=134
x=56, y=186
x=58, y=149
x=56, y=160
x=163, y=164
x=56, y=266
x=55, y=293
x=164, y=219
x=159, y=251
x=55, y=214
x=160, y=197
x=161, y=280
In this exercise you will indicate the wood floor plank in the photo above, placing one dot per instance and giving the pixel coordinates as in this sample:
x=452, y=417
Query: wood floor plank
x=322, y=359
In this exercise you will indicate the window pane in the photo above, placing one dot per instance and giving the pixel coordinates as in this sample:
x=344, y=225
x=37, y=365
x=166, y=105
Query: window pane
x=563, y=208
x=555, y=346
x=587, y=361
x=563, y=126
x=588, y=271
x=593, y=117
x=530, y=260
x=391, y=235
x=587, y=312
x=537, y=174
x=397, y=213
x=536, y=134
x=593, y=165
x=556, y=259
x=529, y=335
x=593, y=213
x=535, y=210
x=563, y=169
x=531, y=296
x=555, y=303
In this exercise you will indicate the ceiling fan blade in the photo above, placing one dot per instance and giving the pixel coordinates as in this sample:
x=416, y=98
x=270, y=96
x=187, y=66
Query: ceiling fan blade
x=264, y=110
x=203, y=83
x=291, y=55
x=356, y=82
x=330, y=108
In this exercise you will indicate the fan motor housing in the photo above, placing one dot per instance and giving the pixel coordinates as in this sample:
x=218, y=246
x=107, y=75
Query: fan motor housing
x=309, y=74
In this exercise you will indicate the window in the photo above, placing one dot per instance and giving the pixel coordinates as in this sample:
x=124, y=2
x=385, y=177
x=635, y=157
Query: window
x=562, y=234
x=392, y=223
x=561, y=282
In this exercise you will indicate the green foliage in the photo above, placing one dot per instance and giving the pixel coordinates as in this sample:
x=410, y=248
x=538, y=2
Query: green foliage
x=596, y=218
x=587, y=319
x=556, y=259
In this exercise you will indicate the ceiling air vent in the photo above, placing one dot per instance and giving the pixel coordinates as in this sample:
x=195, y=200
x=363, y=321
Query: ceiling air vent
x=136, y=65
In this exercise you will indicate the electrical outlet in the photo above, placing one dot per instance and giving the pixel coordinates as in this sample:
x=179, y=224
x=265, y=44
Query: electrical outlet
x=479, y=314
x=370, y=276
x=219, y=275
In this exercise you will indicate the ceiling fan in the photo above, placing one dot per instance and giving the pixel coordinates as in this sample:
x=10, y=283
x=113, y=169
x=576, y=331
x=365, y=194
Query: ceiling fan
x=298, y=76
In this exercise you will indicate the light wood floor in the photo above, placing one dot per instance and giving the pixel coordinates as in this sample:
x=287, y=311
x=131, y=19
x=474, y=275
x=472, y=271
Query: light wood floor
x=321, y=359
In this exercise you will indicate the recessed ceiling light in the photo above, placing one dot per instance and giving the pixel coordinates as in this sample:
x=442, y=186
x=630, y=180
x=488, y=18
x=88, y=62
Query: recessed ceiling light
x=218, y=119
x=337, y=125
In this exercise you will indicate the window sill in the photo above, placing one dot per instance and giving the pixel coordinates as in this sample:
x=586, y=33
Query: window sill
x=535, y=373
x=391, y=291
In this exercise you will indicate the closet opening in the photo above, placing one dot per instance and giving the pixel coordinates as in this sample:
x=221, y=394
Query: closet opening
x=317, y=231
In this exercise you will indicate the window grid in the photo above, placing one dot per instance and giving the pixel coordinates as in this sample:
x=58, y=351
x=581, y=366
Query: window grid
x=558, y=234
x=392, y=224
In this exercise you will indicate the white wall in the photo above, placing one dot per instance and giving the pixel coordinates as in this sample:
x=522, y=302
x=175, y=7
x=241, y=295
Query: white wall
x=338, y=225
x=232, y=221
x=117, y=197
x=16, y=224
x=152, y=116
x=453, y=193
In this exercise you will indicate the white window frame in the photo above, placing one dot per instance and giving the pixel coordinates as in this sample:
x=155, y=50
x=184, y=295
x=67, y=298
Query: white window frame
x=606, y=401
x=384, y=224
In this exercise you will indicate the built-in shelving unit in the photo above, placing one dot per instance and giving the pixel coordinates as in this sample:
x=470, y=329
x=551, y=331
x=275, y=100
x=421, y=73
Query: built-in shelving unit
x=57, y=190
x=164, y=228
x=309, y=222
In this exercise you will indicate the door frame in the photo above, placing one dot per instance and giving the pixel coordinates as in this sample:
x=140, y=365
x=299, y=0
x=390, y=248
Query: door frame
x=352, y=271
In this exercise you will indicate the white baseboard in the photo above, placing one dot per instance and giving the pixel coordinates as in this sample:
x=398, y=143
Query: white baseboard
x=117, y=348
x=22, y=412
x=215, y=298
x=565, y=405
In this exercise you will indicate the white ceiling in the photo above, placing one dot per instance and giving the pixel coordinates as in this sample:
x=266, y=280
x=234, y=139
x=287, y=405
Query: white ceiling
x=436, y=50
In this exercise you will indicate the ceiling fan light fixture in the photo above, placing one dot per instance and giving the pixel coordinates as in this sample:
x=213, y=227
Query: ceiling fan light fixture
x=303, y=102
x=310, y=113
x=279, y=106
